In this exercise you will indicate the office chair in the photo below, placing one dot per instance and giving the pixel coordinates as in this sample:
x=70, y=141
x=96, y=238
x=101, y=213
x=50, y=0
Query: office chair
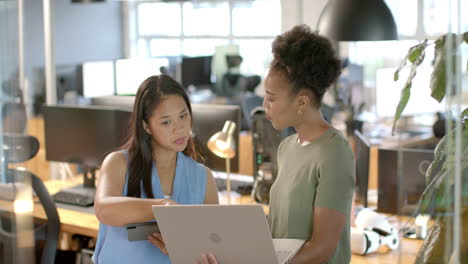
x=20, y=148
x=13, y=117
x=12, y=106
x=248, y=103
x=232, y=82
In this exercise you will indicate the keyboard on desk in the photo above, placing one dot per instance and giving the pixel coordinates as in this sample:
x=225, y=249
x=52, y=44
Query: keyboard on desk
x=76, y=196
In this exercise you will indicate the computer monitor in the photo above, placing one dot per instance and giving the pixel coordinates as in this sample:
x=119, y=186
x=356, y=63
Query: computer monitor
x=130, y=73
x=84, y=135
x=209, y=119
x=68, y=79
x=402, y=179
x=196, y=71
x=98, y=79
x=362, y=156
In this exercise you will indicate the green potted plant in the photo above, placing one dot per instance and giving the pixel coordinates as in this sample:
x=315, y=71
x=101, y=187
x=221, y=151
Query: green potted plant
x=437, y=247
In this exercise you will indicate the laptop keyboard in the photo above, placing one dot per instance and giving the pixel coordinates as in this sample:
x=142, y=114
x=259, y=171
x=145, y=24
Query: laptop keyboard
x=281, y=255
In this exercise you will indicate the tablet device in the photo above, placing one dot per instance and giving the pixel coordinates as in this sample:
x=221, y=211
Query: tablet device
x=141, y=231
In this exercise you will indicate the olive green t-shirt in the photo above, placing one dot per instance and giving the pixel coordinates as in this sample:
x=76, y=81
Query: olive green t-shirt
x=320, y=173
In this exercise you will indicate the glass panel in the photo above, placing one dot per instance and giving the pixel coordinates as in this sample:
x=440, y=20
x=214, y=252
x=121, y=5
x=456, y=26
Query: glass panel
x=405, y=14
x=256, y=55
x=16, y=221
x=201, y=47
x=374, y=56
x=436, y=17
x=464, y=18
x=165, y=47
x=206, y=18
x=251, y=19
x=159, y=19
x=381, y=54
x=142, y=48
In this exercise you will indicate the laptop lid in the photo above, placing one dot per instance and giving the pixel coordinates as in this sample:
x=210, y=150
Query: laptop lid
x=234, y=233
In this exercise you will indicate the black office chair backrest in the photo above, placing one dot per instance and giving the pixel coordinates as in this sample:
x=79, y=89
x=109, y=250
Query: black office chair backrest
x=19, y=147
x=248, y=104
x=14, y=117
x=52, y=228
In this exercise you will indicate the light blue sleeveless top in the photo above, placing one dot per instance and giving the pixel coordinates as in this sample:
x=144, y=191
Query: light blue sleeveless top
x=188, y=188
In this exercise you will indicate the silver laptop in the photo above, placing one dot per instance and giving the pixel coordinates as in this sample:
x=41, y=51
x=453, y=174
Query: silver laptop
x=233, y=233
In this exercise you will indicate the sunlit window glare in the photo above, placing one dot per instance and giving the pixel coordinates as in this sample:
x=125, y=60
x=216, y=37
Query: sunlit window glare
x=23, y=206
x=196, y=28
x=206, y=18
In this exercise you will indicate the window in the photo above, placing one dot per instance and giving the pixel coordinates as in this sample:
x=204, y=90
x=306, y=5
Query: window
x=159, y=19
x=252, y=19
x=196, y=28
x=416, y=20
x=209, y=19
x=405, y=14
x=435, y=17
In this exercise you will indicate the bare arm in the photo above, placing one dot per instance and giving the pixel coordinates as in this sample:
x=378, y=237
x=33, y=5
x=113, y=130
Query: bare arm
x=211, y=193
x=111, y=207
x=328, y=225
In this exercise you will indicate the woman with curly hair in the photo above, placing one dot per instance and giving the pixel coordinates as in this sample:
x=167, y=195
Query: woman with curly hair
x=312, y=195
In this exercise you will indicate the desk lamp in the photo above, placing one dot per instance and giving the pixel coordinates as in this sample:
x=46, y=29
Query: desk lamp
x=222, y=145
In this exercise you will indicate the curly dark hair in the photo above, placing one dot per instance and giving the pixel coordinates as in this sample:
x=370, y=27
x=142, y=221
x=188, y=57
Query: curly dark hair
x=307, y=59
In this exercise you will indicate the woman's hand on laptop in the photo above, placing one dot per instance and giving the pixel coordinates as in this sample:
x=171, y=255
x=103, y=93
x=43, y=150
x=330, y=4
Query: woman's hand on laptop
x=157, y=240
x=207, y=259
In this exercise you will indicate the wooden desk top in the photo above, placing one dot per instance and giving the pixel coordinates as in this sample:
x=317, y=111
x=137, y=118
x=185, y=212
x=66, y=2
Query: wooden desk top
x=73, y=221
x=83, y=223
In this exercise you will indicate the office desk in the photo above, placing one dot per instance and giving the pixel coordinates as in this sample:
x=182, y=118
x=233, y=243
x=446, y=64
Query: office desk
x=405, y=254
x=76, y=220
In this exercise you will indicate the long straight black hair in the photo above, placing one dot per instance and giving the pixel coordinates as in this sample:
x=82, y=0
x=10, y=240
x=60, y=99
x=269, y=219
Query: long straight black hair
x=150, y=94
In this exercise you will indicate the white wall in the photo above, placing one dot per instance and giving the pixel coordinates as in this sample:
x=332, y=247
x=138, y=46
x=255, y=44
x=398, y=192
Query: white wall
x=82, y=32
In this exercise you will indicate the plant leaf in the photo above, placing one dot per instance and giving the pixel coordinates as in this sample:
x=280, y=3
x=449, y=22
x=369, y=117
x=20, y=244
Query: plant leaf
x=439, y=76
x=415, y=52
x=465, y=37
x=404, y=97
x=402, y=64
x=439, y=158
x=464, y=117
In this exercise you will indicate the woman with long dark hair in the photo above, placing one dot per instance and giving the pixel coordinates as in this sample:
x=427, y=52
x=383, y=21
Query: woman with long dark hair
x=157, y=166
